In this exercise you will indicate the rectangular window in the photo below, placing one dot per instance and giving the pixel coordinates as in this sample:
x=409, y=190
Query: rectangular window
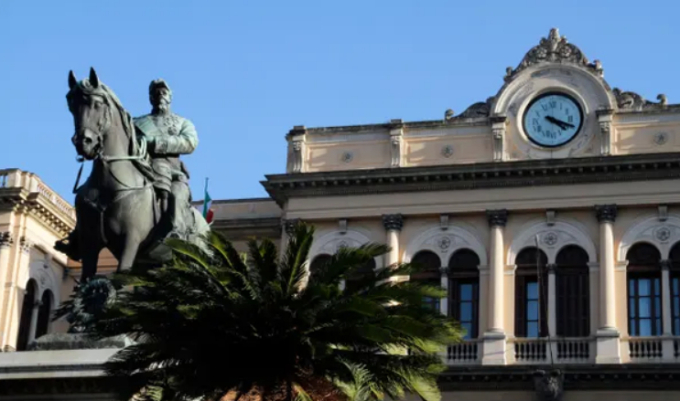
x=530, y=306
x=464, y=295
x=644, y=305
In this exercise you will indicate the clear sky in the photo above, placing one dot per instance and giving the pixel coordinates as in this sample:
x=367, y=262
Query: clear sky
x=245, y=72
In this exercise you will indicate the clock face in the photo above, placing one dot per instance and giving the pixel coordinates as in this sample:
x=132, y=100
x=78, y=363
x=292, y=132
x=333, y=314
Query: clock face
x=552, y=119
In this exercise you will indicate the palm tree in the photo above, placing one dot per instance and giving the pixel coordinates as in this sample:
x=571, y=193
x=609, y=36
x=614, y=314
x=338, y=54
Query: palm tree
x=221, y=327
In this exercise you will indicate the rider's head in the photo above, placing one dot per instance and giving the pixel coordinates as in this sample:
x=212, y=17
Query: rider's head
x=160, y=95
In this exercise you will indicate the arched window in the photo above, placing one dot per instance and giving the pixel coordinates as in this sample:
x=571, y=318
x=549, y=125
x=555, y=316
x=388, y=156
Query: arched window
x=44, y=314
x=464, y=290
x=428, y=263
x=318, y=263
x=675, y=287
x=572, y=286
x=352, y=283
x=644, y=290
x=531, y=293
x=26, y=315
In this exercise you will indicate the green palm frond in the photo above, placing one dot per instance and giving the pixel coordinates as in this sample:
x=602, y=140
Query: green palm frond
x=213, y=322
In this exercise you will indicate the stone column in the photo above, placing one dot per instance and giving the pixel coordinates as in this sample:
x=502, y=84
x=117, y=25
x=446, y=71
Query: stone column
x=667, y=348
x=393, y=224
x=444, y=302
x=552, y=300
x=13, y=316
x=494, y=338
x=608, y=350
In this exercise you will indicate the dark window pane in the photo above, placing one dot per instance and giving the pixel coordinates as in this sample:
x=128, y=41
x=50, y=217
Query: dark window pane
x=675, y=286
x=465, y=312
x=631, y=288
x=644, y=308
x=644, y=287
x=532, y=310
x=645, y=327
x=466, y=292
x=632, y=312
x=676, y=306
x=632, y=327
x=532, y=290
x=532, y=329
x=676, y=326
x=657, y=286
x=658, y=327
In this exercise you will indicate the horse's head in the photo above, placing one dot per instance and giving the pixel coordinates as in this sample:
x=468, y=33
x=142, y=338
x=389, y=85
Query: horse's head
x=90, y=103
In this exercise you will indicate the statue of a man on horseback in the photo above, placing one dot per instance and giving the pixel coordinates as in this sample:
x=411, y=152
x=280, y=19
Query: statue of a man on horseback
x=137, y=193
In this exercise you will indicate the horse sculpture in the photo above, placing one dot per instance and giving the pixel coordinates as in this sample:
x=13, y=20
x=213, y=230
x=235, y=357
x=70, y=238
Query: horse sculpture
x=117, y=207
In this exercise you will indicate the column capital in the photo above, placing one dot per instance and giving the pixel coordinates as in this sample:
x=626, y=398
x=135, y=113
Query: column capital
x=666, y=264
x=289, y=225
x=26, y=244
x=606, y=213
x=6, y=239
x=444, y=270
x=393, y=221
x=497, y=217
x=551, y=267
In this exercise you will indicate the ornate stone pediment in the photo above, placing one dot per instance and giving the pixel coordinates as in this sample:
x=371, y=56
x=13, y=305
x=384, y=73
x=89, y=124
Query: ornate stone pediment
x=554, y=49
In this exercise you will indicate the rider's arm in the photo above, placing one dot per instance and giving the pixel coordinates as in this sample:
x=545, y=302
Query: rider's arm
x=183, y=143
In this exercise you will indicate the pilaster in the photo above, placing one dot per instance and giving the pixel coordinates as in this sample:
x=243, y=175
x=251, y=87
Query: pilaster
x=396, y=142
x=604, y=119
x=495, y=338
x=393, y=224
x=297, y=142
x=498, y=128
x=608, y=349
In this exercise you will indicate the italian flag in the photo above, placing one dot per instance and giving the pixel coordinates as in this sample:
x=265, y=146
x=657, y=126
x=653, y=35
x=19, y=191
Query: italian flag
x=208, y=213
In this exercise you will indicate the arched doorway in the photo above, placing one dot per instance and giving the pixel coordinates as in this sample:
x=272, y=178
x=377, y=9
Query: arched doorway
x=44, y=314
x=464, y=290
x=531, y=293
x=428, y=264
x=572, y=287
x=644, y=290
x=27, y=315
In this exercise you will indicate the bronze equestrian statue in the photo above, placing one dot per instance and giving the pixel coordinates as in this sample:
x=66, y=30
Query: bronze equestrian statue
x=137, y=193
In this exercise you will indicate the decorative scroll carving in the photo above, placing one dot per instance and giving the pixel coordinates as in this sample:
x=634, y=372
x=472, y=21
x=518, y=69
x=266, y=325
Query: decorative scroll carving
x=626, y=100
x=606, y=213
x=549, y=386
x=26, y=244
x=6, y=239
x=393, y=221
x=554, y=49
x=396, y=142
x=497, y=217
x=477, y=110
x=498, y=131
x=297, y=138
x=289, y=225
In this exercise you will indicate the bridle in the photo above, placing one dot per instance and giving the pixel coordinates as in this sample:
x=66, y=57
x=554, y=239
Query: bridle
x=107, y=159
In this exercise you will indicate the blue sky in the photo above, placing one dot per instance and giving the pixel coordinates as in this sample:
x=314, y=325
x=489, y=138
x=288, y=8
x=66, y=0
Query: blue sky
x=245, y=72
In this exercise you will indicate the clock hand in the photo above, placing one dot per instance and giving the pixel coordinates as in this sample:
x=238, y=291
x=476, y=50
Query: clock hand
x=564, y=123
x=555, y=121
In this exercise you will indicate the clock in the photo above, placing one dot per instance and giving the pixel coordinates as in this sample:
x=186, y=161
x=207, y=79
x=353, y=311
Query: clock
x=552, y=119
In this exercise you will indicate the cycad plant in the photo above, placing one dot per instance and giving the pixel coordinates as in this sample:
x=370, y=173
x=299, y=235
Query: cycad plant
x=222, y=327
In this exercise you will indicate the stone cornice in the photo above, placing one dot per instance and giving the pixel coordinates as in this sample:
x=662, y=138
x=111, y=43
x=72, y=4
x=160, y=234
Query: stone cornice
x=243, y=229
x=638, y=167
x=576, y=377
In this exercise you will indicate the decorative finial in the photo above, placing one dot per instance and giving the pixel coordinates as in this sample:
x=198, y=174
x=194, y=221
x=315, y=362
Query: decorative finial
x=448, y=114
x=663, y=101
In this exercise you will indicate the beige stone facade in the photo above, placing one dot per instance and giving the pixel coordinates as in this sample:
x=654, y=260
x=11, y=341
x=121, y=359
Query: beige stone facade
x=599, y=214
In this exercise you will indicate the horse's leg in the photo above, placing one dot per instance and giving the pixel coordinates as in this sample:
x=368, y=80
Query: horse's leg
x=129, y=253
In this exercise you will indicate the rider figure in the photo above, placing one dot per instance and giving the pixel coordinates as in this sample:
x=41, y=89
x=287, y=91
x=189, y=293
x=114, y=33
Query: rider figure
x=168, y=136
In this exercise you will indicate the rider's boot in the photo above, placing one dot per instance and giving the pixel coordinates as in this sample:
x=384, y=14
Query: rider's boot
x=69, y=246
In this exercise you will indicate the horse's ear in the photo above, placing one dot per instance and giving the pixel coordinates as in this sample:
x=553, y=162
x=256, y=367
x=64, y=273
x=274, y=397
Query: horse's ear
x=94, y=79
x=72, y=81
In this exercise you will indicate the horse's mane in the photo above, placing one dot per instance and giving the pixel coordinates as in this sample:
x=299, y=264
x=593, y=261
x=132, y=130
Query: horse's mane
x=84, y=87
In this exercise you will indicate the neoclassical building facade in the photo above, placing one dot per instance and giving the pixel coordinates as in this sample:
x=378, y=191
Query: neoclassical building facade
x=549, y=211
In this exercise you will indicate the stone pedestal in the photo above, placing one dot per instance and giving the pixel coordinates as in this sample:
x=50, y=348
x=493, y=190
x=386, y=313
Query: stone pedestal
x=493, y=349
